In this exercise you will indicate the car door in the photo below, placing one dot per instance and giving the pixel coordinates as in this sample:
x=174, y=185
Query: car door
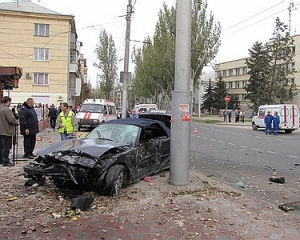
x=148, y=156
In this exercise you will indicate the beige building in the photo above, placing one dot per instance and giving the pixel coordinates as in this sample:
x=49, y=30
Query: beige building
x=44, y=43
x=235, y=75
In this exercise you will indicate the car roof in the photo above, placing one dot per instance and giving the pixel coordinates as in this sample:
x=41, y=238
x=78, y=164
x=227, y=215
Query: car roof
x=140, y=122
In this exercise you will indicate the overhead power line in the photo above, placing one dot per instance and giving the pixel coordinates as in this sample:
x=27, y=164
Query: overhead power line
x=253, y=16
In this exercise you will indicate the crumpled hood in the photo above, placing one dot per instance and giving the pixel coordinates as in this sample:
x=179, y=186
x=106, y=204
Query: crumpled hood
x=92, y=147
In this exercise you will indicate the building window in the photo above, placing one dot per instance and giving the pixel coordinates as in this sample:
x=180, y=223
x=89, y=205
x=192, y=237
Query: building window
x=237, y=71
x=219, y=74
x=224, y=73
x=237, y=84
x=236, y=96
x=230, y=72
x=294, y=49
x=245, y=70
x=244, y=84
x=243, y=97
x=292, y=81
x=40, y=79
x=41, y=30
x=41, y=54
x=73, y=57
x=293, y=68
x=230, y=85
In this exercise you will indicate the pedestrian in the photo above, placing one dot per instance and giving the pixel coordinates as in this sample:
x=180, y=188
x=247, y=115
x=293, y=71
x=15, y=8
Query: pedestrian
x=268, y=122
x=53, y=116
x=237, y=115
x=128, y=113
x=242, y=116
x=276, y=121
x=8, y=122
x=29, y=127
x=225, y=115
x=66, y=122
x=134, y=114
x=229, y=116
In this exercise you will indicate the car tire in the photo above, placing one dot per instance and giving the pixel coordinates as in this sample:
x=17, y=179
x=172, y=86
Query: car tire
x=115, y=179
x=254, y=127
x=288, y=131
x=78, y=129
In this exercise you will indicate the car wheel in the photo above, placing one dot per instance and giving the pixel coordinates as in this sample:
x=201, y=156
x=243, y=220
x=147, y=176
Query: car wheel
x=78, y=129
x=115, y=179
x=254, y=127
x=288, y=131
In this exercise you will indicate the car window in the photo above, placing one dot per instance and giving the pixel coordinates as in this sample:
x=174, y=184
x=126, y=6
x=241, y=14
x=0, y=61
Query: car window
x=150, y=133
x=123, y=133
x=262, y=112
x=91, y=108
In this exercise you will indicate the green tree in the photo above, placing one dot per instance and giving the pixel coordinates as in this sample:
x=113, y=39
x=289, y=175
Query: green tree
x=281, y=52
x=219, y=91
x=155, y=64
x=208, y=99
x=271, y=66
x=106, y=54
x=259, y=65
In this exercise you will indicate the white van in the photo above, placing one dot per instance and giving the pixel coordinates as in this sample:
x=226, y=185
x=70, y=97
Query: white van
x=289, y=116
x=146, y=107
x=94, y=111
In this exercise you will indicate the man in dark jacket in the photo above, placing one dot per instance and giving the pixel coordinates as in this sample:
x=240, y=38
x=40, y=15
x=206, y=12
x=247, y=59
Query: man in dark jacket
x=52, y=115
x=29, y=127
x=8, y=123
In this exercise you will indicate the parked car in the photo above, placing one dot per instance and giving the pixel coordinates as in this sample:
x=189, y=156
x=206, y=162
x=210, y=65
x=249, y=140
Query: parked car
x=116, y=153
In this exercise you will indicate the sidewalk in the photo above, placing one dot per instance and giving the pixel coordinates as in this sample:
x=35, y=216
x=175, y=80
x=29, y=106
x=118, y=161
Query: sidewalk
x=205, y=209
x=208, y=117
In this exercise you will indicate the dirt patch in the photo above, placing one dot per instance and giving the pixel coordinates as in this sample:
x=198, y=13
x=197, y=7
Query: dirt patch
x=24, y=209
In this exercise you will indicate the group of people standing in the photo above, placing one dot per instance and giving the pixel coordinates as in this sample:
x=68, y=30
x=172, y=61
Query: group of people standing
x=28, y=122
x=269, y=120
x=64, y=119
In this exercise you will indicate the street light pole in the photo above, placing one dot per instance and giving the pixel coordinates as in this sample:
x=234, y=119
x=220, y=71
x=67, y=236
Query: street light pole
x=126, y=59
x=181, y=97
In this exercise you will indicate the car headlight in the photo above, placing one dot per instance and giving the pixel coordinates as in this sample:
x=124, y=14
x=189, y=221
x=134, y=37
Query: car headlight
x=95, y=120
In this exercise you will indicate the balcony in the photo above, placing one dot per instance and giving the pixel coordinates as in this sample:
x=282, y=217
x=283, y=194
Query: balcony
x=73, y=67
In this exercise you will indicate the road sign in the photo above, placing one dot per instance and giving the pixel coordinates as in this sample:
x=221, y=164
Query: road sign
x=227, y=98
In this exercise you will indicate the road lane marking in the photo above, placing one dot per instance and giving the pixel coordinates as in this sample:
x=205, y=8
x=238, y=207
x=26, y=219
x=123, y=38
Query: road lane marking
x=232, y=144
x=291, y=156
x=221, y=141
x=243, y=146
x=272, y=152
x=256, y=149
x=212, y=140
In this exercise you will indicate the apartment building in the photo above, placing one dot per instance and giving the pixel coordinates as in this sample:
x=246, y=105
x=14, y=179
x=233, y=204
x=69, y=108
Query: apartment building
x=44, y=43
x=234, y=73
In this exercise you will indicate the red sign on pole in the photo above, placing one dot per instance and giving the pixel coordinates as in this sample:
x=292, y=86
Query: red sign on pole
x=227, y=98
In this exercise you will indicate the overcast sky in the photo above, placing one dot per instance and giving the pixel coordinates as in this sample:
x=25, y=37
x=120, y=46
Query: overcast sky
x=243, y=22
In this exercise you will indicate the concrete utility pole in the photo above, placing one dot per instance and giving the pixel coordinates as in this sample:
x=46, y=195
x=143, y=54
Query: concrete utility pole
x=126, y=59
x=181, y=97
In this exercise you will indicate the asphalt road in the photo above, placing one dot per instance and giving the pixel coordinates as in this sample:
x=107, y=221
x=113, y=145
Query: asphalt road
x=234, y=154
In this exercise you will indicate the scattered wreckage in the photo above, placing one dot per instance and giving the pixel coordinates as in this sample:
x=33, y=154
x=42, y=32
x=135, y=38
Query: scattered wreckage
x=116, y=153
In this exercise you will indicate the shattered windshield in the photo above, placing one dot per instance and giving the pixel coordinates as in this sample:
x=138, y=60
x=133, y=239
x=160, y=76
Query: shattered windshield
x=91, y=108
x=123, y=133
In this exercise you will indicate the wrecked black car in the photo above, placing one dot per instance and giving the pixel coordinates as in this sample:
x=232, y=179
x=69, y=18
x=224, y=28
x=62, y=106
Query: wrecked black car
x=116, y=153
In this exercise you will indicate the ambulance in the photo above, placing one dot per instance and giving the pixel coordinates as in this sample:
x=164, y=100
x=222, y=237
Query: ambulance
x=146, y=107
x=288, y=113
x=95, y=111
